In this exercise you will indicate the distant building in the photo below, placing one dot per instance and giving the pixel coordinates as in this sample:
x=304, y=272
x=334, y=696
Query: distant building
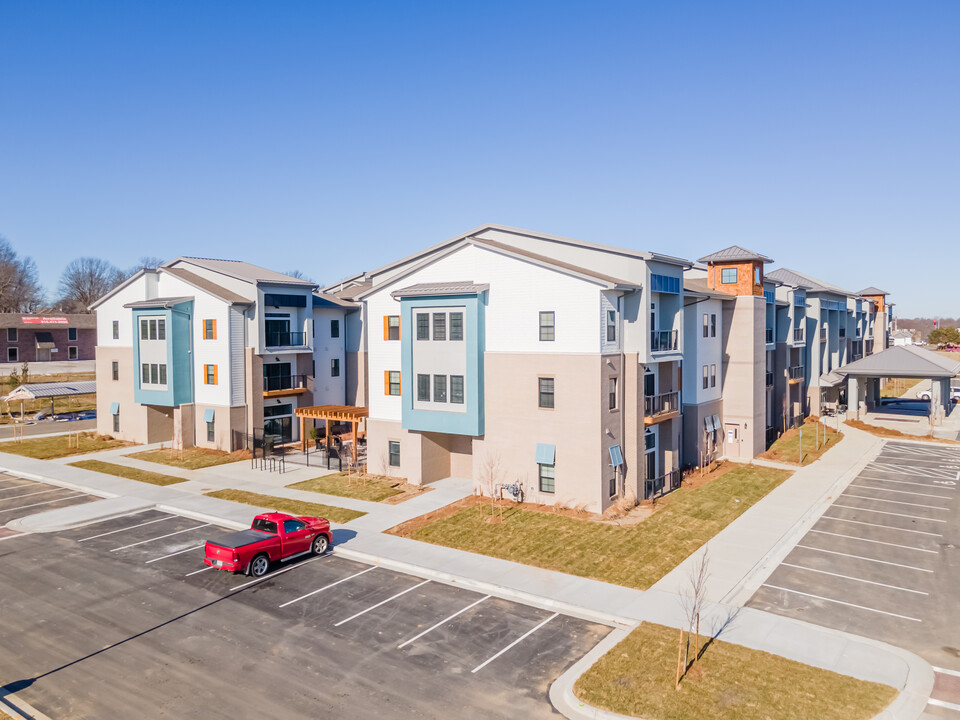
x=902, y=337
x=44, y=338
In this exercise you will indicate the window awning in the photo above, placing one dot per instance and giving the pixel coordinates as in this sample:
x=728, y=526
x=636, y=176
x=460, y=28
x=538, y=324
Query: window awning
x=45, y=341
x=208, y=415
x=716, y=422
x=708, y=423
x=546, y=454
x=115, y=408
x=616, y=455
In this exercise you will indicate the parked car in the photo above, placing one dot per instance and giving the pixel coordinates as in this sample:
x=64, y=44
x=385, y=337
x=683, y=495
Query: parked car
x=272, y=537
x=926, y=394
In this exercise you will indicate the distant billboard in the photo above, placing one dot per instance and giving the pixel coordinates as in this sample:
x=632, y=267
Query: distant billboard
x=43, y=320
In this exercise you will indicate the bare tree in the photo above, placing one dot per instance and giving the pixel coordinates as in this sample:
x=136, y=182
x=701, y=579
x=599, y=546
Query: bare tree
x=299, y=275
x=146, y=262
x=85, y=280
x=693, y=600
x=490, y=475
x=20, y=289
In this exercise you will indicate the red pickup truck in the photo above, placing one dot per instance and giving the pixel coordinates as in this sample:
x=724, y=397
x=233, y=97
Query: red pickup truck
x=273, y=537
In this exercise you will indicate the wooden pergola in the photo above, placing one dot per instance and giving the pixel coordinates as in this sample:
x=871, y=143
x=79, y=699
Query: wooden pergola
x=336, y=413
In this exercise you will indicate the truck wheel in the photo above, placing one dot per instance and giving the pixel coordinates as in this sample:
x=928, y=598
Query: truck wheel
x=320, y=544
x=258, y=566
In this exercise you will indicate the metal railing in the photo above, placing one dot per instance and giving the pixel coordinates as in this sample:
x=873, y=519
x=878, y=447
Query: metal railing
x=855, y=356
x=772, y=434
x=823, y=334
x=843, y=333
x=663, y=340
x=660, y=404
x=769, y=335
x=286, y=339
x=795, y=372
x=798, y=334
x=284, y=382
x=769, y=379
x=655, y=487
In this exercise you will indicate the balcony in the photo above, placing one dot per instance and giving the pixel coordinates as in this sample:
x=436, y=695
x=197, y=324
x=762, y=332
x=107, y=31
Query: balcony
x=286, y=339
x=655, y=487
x=663, y=340
x=769, y=336
x=772, y=434
x=284, y=385
x=769, y=379
x=855, y=356
x=798, y=334
x=843, y=333
x=823, y=334
x=795, y=373
x=657, y=408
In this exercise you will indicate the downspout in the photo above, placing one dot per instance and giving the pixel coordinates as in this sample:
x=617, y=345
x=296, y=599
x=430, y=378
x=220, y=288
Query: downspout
x=622, y=400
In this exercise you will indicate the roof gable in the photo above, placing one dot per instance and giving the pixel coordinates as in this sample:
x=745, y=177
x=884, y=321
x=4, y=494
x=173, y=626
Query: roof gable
x=734, y=253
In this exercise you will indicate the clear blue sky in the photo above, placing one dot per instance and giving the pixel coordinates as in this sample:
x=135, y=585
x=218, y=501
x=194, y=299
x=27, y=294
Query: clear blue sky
x=336, y=136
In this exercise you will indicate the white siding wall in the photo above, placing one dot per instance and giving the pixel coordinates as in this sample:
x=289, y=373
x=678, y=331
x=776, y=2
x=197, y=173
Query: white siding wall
x=328, y=390
x=706, y=351
x=237, y=359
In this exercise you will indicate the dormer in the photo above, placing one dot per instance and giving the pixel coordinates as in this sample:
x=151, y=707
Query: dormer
x=736, y=271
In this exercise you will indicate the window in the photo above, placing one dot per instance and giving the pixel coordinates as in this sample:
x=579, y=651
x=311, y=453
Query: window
x=423, y=388
x=72, y=352
x=267, y=526
x=456, y=389
x=548, y=482
x=12, y=353
x=145, y=374
x=211, y=432
x=423, y=326
x=706, y=325
x=209, y=374
x=144, y=329
x=334, y=328
x=713, y=376
x=394, y=450
x=277, y=410
x=116, y=370
x=547, y=326
x=72, y=334
x=649, y=440
x=161, y=330
x=439, y=388
x=116, y=329
x=756, y=276
x=439, y=326
x=209, y=329
x=713, y=325
x=278, y=300
x=335, y=367
x=611, y=325
x=153, y=330
x=116, y=421
x=456, y=326
x=391, y=327
x=612, y=488
x=728, y=276
x=163, y=374
x=391, y=382
x=706, y=377
x=613, y=393
x=290, y=526
x=153, y=374
x=11, y=334
x=546, y=392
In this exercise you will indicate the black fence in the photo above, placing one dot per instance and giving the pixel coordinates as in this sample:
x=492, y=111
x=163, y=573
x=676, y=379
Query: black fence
x=656, y=487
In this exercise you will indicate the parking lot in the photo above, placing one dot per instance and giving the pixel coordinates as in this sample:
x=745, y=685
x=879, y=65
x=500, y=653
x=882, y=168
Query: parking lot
x=20, y=497
x=121, y=619
x=883, y=561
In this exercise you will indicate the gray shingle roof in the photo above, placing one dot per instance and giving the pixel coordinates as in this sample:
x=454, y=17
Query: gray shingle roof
x=798, y=279
x=160, y=302
x=441, y=288
x=699, y=286
x=240, y=270
x=903, y=361
x=873, y=291
x=54, y=389
x=208, y=286
x=734, y=253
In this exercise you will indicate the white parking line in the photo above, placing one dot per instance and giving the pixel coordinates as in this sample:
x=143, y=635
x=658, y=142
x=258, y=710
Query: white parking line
x=861, y=557
x=841, y=602
x=382, y=602
x=39, y=492
x=888, y=527
x=884, y=512
x=515, y=642
x=48, y=502
x=131, y=527
x=327, y=587
x=897, y=502
x=443, y=622
x=850, y=577
x=878, y=542
x=274, y=574
x=203, y=569
x=179, y=552
x=943, y=704
x=901, y=492
x=936, y=486
x=18, y=486
x=195, y=527
x=944, y=671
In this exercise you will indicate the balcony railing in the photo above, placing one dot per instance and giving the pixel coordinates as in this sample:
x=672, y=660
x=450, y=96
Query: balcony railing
x=855, y=356
x=663, y=340
x=843, y=333
x=769, y=379
x=772, y=435
x=769, y=336
x=823, y=334
x=284, y=382
x=286, y=339
x=798, y=334
x=655, y=487
x=661, y=404
x=795, y=372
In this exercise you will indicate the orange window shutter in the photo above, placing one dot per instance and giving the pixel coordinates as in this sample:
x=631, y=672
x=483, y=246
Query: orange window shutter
x=398, y=327
x=386, y=382
x=206, y=375
x=214, y=374
x=214, y=336
x=203, y=333
x=386, y=327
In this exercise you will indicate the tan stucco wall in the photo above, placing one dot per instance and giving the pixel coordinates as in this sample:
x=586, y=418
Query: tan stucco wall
x=133, y=417
x=356, y=378
x=254, y=389
x=744, y=402
x=696, y=449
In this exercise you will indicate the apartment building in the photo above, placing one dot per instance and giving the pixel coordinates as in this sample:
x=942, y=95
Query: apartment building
x=45, y=338
x=205, y=352
x=515, y=357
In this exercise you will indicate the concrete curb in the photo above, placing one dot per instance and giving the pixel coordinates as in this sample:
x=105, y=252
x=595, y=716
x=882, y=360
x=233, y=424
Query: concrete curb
x=120, y=508
x=19, y=709
x=561, y=692
x=54, y=481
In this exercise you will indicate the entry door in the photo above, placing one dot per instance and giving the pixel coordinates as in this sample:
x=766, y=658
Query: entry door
x=43, y=354
x=732, y=439
x=281, y=428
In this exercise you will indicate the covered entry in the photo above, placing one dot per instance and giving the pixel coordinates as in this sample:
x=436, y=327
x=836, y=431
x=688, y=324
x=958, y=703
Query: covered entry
x=332, y=413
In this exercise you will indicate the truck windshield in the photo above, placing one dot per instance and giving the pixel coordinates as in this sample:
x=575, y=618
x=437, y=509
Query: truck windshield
x=266, y=526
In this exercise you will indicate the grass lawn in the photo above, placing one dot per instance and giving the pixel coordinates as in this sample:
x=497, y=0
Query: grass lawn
x=787, y=447
x=728, y=682
x=636, y=556
x=375, y=490
x=895, y=387
x=128, y=472
x=193, y=458
x=292, y=507
x=59, y=446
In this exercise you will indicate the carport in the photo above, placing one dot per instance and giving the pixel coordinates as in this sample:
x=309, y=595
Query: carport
x=36, y=391
x=903, y=361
